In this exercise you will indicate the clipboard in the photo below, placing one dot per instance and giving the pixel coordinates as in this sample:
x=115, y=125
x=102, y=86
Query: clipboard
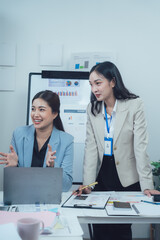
x=91, y=201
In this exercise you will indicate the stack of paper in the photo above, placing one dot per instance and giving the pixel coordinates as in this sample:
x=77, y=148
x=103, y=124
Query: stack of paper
x=9, y=231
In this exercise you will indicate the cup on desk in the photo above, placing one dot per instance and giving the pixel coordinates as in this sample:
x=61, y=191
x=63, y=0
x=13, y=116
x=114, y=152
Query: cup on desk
x=29, y=228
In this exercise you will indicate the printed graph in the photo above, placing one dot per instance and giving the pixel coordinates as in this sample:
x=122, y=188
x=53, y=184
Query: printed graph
x=82, y=65
x=67, y=93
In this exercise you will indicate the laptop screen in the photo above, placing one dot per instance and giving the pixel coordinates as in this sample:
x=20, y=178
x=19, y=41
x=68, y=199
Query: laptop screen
x=32, y=185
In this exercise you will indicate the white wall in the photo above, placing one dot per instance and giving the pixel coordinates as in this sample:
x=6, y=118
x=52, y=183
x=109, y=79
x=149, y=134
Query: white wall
x=128, y=27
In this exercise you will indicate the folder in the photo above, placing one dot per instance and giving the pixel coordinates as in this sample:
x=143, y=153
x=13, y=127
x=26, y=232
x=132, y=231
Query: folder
x=122, y=209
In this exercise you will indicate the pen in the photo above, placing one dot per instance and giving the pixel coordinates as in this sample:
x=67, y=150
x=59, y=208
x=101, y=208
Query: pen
x=156, y=203
x=92, y=184
x=136, y=210
x=82, y=206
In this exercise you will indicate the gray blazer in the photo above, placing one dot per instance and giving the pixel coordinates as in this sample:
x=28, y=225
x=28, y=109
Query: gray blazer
x=23, y=141
x=129, y=145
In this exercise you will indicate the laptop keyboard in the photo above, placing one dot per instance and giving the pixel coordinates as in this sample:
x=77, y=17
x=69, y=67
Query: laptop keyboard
x=36, y=207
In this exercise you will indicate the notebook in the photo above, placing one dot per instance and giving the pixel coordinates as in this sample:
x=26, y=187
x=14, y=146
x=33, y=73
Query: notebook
x=34, y=185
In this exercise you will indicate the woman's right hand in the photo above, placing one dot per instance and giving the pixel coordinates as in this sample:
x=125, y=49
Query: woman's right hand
x=79, y=191
x=10, y=159
x=50, y=157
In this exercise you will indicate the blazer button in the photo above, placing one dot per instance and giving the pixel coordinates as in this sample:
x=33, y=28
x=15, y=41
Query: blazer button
x=115, y=148
x=117, y=163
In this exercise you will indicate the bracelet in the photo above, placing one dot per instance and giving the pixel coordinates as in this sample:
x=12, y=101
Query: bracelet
x=91, y=187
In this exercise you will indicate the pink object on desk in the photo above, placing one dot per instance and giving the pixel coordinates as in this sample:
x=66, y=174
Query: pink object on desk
x=12, y=217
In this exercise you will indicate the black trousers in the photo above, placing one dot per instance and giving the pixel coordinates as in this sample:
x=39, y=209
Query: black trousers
x=112, y=232
x=108, y=180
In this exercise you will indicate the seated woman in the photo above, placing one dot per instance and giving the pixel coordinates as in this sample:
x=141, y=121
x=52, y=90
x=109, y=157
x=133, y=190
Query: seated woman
x=44, y=143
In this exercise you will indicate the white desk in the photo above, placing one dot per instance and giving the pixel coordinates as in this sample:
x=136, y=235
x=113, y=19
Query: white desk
x=90, y=216
x=49, y=237
x=100, y=216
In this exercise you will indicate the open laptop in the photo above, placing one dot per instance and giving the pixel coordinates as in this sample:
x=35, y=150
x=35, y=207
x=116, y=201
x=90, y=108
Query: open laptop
x=34, y=185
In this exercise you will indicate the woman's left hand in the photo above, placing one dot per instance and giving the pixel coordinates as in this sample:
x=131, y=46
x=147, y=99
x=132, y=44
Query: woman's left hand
x=50, y=157
x=149, y=192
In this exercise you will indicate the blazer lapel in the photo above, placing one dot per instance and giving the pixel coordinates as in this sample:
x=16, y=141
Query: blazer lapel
x=100, y=124
x=54, y=140
x=28, y=148
x=121, y=114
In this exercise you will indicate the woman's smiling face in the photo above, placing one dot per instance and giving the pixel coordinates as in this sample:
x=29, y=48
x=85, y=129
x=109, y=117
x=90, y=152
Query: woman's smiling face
x=42, y=115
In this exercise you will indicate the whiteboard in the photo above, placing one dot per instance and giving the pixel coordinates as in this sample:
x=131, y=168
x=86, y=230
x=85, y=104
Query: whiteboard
x=74, y=91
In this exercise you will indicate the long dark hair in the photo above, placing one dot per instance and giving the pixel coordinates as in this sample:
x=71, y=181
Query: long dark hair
x=54, y=102
x=110, y=72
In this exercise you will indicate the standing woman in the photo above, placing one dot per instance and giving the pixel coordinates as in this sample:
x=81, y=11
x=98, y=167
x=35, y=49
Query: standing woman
x=116, y=143
x=44, y=143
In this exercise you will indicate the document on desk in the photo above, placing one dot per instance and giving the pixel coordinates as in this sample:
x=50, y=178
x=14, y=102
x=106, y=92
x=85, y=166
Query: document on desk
x=131, y=197
x=93, y=201
x=142, y=205
x=147, y=209
x=67, y=226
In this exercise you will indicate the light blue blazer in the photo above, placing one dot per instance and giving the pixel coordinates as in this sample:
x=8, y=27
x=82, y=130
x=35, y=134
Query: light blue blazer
x=62, y=142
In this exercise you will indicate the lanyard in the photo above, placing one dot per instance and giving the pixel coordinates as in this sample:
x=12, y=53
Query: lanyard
x=107, y=125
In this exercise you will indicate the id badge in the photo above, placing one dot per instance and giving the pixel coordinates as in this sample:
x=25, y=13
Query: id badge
x=108, y=143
